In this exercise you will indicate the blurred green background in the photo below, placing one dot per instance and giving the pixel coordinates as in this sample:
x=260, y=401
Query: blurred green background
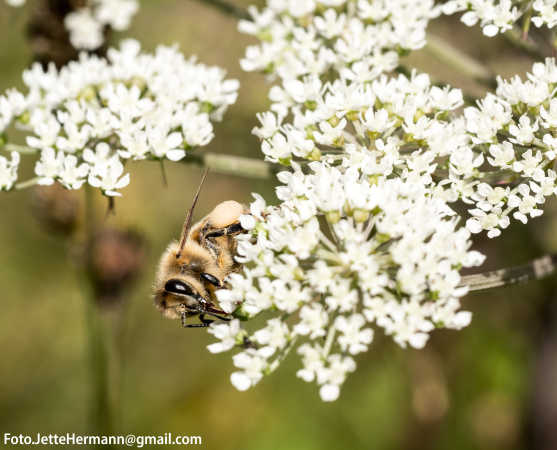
x=490, y=386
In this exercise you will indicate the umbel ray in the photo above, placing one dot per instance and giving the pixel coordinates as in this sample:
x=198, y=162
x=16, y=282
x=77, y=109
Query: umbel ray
x=193, y=268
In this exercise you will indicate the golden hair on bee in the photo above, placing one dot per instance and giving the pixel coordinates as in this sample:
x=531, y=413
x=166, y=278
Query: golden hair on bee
x=194, y=267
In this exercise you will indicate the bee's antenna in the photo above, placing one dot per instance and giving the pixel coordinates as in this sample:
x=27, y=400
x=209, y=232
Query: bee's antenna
x=187, y=223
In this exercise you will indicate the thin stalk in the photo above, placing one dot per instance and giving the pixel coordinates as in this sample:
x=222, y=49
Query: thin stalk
x=26, y=184
x=233, y=165
x=273, y=366
x=534, y=270
x=329, y=341
x=163, y=174
x=23, y=149
x=526, y=23
x=226, y=164
x=515, y=38
x=227, y=8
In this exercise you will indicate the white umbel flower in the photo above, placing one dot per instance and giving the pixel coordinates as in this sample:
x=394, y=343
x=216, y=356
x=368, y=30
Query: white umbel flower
x=130, y=105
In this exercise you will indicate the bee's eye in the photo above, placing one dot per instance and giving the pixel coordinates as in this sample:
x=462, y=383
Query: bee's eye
x=211, y=279
x=178, y=287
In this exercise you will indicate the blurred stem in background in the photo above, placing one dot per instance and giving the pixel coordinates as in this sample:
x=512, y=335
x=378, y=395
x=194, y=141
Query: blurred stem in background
x=110, y=263
x=101, y=414
x=49, y=42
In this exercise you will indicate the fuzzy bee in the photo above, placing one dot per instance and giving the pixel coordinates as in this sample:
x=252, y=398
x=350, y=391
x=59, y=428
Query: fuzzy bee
x=193, y=268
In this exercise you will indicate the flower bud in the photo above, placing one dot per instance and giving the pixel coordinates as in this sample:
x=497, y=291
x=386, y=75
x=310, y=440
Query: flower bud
x=55, y=208
x=115, y=259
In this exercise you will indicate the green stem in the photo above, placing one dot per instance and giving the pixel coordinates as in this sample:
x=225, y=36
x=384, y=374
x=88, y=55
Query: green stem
x=217, y=162
x=101, y=416
x=26, y=184
x=232, y=165
x=23, y=149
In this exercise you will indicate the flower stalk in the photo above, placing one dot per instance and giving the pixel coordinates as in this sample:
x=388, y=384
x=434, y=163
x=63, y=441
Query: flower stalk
x=27, y=184
x=232, y=165
x=227, y=8
x=534, y=270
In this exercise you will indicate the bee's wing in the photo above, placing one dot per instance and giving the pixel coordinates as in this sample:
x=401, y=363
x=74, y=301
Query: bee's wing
x=187, y=223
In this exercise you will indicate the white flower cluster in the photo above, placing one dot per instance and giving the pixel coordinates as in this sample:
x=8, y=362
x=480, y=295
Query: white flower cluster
x=498, y=157
x=93, y=115
x=360, y=38
x=87, y=25
x=390, y=257
x=363, y=234
x=515, y=129
x=498, y=16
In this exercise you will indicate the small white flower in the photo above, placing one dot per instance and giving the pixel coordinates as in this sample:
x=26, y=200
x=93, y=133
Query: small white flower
x=329, y=392
x=164, y=144
x=107, y=176
x=227, y=333
x=72, y=174
x=314, y=318
x=116, y=13
x=353, y=338
x=274, y=335
x=8, y=171
x=49, y=166
x=85, y=30
x=252, y=362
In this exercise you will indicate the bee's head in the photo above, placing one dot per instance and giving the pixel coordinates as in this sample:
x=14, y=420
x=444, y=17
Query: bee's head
x=178, y=292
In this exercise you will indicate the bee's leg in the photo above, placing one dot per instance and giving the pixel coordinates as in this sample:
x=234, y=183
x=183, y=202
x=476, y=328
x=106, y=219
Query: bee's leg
x=184, y=317
x=185, y=313
x=204, y=320
x=224, y=319
x=196, y=325
x=182, y=309
x=235, y=228
x=209, y=236
x=208, y=242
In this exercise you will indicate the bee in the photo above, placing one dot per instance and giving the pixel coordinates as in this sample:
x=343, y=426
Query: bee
x=193, y=268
